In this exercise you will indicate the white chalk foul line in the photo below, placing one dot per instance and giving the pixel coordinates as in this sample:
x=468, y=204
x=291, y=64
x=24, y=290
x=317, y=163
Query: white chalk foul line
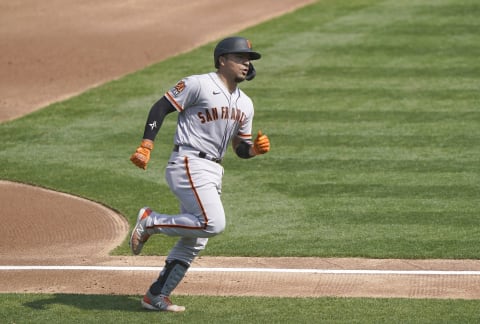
x=264, y=270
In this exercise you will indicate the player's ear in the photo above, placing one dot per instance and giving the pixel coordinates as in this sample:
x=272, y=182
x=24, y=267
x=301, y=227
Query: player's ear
x=221, y=60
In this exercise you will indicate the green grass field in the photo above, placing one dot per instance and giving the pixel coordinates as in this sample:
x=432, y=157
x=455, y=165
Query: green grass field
x=372, y=111
x=62, y=308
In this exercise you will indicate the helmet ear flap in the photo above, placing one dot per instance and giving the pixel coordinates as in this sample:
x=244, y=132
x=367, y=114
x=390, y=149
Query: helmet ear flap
x=251, y=72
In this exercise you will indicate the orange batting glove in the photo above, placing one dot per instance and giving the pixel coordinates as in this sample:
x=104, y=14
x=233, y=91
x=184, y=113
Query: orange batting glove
x=142, y=155
x=261, y=145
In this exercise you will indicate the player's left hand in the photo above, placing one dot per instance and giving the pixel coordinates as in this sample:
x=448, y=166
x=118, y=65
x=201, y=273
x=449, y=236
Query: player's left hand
x=261, y=145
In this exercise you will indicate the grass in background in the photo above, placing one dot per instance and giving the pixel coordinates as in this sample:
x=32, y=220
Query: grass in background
x=372, y=111
x=126, y=309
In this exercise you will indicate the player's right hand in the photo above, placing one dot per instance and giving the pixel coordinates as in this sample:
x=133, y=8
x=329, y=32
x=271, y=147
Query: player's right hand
x=142, y=155
x=261, y=145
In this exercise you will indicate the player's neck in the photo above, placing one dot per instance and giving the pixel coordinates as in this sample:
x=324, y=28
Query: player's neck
x=231, y=85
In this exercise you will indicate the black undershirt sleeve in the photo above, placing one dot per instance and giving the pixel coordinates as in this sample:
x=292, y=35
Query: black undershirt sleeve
x=243, y=150
x=156, y=116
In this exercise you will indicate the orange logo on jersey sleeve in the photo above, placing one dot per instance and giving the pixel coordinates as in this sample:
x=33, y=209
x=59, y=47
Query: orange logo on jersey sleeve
x=178, y=88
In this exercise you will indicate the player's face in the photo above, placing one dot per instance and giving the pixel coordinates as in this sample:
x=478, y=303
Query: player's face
x=237, y=65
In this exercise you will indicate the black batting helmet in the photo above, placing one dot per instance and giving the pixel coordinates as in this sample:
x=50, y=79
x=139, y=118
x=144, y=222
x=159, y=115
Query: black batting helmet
x=234, y=45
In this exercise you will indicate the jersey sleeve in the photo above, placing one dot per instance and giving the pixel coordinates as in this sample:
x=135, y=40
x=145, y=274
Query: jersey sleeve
x=184, y=93
x=245, y=128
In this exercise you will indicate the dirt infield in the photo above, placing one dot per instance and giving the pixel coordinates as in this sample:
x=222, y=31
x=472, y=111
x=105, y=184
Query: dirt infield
x=53, y=50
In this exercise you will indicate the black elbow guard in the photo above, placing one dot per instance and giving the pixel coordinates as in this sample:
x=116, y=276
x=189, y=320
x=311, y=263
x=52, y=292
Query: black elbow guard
x=243, y=150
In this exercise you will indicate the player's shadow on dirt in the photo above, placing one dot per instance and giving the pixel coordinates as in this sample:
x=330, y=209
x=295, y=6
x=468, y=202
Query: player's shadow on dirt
x=88, y=302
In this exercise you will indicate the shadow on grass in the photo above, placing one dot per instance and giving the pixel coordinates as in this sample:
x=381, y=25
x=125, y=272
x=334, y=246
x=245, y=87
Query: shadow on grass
x=87, y=302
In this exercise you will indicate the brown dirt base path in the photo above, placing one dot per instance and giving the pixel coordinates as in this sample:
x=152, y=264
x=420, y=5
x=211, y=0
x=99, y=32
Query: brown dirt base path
x=53, y=50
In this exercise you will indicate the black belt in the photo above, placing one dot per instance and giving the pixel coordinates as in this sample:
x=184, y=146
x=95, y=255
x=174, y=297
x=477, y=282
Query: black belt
x=202, y=155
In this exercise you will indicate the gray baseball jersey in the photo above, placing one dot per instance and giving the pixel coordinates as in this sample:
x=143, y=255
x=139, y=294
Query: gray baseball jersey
x=209, y=116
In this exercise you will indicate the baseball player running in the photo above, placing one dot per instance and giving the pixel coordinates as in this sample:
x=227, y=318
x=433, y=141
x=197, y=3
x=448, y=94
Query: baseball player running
x=212, y=112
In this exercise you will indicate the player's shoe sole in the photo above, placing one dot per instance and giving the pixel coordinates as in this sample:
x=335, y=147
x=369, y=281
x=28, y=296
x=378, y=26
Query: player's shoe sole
x=160, y=303
x=139, y=234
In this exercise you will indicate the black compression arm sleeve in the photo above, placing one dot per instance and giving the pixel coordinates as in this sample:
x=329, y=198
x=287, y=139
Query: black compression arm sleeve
x=243, y=150
x=155, y=118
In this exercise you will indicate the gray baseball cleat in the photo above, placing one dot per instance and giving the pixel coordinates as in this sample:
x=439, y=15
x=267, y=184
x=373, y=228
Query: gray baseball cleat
x=140, y=234
x=160, y=303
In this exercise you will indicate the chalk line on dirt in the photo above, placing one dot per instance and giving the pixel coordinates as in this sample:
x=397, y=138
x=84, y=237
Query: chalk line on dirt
x=264, y=270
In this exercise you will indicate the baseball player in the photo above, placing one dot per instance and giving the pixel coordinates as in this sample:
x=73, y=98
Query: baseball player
x=212, y=112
